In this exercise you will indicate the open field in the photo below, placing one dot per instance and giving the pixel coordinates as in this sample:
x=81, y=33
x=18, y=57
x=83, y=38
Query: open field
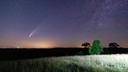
x=63, y=60
x=93, y=63
x=24, y=53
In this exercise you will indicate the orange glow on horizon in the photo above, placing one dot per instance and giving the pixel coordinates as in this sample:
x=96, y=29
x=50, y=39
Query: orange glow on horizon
x=39, y=45
x=45, y=43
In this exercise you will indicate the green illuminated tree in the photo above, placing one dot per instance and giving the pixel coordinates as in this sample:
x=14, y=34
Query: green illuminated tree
x=96, y=47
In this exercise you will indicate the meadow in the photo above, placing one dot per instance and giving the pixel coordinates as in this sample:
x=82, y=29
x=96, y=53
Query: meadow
x=84, y=63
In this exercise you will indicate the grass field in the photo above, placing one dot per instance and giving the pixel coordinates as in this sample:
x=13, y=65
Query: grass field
x=93, y=63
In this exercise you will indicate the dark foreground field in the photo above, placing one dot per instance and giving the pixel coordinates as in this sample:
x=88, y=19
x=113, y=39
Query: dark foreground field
x=23, y=53
x=63, y=60
x=93, y=63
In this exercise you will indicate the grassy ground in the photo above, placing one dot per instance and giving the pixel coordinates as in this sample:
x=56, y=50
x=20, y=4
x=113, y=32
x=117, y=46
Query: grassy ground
x=94, y=63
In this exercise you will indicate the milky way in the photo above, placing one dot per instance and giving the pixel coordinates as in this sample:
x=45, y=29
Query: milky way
x=63, y=22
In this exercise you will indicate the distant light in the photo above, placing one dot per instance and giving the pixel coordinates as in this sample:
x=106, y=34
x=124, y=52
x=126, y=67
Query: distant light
x=18, y=47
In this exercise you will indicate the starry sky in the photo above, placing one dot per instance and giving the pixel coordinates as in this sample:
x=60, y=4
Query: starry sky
x=62, y=23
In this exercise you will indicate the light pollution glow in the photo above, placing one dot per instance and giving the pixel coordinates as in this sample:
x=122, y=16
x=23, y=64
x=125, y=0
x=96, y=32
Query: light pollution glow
x=34, y=44
x=43, y=44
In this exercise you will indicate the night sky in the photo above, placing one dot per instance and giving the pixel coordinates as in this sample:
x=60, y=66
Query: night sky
x=62, y=23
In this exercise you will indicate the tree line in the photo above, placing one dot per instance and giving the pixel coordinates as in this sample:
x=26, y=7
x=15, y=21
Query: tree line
x=110, y=45
x=97, y=47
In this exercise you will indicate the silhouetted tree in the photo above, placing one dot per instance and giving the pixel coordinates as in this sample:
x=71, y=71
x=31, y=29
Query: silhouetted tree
x=86, y=45
x=96, y=47
x=113, y=45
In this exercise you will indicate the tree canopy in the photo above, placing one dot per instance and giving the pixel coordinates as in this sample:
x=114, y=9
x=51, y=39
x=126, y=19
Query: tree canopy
x=96, y=47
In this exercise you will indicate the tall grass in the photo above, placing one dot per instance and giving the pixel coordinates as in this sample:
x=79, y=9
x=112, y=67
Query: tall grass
x=94, y=63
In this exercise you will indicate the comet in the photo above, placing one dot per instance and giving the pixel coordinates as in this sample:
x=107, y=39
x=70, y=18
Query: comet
x=33, y=32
